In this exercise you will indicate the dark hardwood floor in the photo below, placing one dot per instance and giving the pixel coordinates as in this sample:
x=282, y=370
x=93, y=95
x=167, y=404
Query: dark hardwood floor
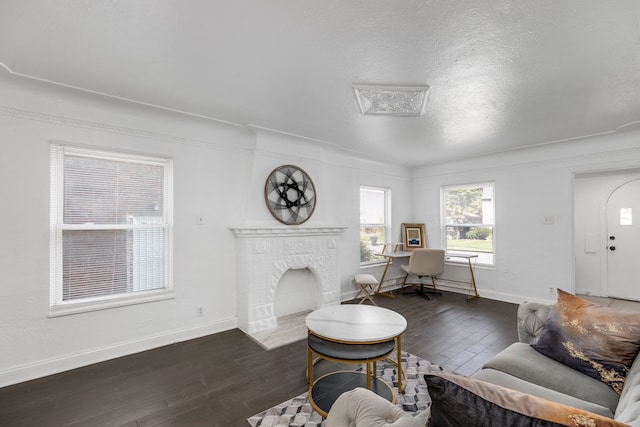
x=222, y=379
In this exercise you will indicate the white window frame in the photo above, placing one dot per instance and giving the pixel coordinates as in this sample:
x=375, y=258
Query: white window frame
x=59, y=307
x=443, y=206
x=387, y=219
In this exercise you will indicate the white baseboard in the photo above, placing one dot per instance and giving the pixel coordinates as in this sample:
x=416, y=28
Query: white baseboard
x=590, y=293
x=498, y=296
x=30, y=371
x=446, y=285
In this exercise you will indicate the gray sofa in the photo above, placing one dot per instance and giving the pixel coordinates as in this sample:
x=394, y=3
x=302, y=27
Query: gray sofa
x=518, y=367
x=522, y=368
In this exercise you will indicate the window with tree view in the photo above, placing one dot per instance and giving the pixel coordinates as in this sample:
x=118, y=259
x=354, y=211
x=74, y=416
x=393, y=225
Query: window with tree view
x=469, y=220
x=374, y=217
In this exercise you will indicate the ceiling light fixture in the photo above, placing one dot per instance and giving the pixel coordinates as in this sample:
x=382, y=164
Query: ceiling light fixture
x=391, y=100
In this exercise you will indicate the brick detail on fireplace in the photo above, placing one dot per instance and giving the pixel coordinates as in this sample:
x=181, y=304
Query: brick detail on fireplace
x=264, y=255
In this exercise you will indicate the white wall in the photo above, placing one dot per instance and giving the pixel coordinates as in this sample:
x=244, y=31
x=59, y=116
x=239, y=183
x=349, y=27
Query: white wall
x=530, y=184
x=219, y=173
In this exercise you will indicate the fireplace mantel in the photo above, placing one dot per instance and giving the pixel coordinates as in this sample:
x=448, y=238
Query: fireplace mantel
x=264, y=254
x=249, y=232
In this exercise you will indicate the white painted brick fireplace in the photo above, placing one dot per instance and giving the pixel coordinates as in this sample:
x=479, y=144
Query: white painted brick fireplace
x=265, y=254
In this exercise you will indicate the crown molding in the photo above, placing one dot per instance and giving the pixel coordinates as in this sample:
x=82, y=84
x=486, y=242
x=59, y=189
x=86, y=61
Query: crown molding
x=59, y=120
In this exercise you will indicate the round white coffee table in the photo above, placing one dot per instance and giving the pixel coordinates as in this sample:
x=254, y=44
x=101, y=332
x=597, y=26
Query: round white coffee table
x=352, y=333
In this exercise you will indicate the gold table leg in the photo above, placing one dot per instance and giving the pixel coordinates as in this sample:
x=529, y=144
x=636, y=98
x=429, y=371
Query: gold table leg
x=309, y=366
x=384, y=274
x=473, y=283
x=402, y=382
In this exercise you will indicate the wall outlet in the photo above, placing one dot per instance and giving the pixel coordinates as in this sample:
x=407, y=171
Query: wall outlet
x=199, y=311
x=200, y=220
x=552, y=290
x=549, y=220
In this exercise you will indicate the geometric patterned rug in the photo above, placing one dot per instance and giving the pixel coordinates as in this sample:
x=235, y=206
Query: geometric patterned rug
x=298, y=412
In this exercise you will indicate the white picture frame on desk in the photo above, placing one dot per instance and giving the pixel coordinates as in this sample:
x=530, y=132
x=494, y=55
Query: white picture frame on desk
x=413, y=236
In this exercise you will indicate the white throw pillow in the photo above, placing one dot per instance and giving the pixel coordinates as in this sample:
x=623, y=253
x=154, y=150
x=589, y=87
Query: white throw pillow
x=363, y=408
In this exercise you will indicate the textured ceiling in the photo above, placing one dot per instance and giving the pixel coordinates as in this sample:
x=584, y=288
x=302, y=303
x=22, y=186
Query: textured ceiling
x=503, y=74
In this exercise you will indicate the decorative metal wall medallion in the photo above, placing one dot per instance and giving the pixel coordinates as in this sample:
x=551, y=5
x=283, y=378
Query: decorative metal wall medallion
x=290, y=195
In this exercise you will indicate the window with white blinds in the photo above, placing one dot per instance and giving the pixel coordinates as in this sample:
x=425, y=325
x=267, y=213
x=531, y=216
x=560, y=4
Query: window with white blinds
x=110, y=226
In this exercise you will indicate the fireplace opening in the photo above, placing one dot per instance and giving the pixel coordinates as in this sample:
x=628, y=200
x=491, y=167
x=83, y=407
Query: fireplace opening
x=297, y=292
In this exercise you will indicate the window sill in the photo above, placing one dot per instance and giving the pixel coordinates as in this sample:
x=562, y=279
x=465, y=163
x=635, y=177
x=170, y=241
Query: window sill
x=105, y=304
x=372, y=264
x=466, y=265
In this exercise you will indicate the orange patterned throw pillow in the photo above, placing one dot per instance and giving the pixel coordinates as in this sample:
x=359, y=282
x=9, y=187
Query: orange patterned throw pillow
x=598, y=341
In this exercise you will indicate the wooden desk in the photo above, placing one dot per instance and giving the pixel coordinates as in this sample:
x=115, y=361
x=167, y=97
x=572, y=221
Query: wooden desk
x=394, y=253
x=472, y=282
x=390, y=255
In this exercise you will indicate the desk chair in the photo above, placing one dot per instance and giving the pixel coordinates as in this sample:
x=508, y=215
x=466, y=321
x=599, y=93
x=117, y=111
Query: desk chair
x=424, y=263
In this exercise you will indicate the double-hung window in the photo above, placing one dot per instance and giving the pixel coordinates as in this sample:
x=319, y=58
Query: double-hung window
x=110, y=229
x=375, y=218
x=468, y=220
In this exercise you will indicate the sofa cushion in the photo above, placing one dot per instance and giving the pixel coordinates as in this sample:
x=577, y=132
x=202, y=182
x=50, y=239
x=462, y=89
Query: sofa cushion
x=598, y=341
x=363, y=408
x=457, y=399
x=509, y=381
x=628, y=410
x=523, y=362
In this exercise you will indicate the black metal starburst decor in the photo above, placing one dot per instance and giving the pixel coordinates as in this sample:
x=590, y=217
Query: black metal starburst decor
x=290, y=195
